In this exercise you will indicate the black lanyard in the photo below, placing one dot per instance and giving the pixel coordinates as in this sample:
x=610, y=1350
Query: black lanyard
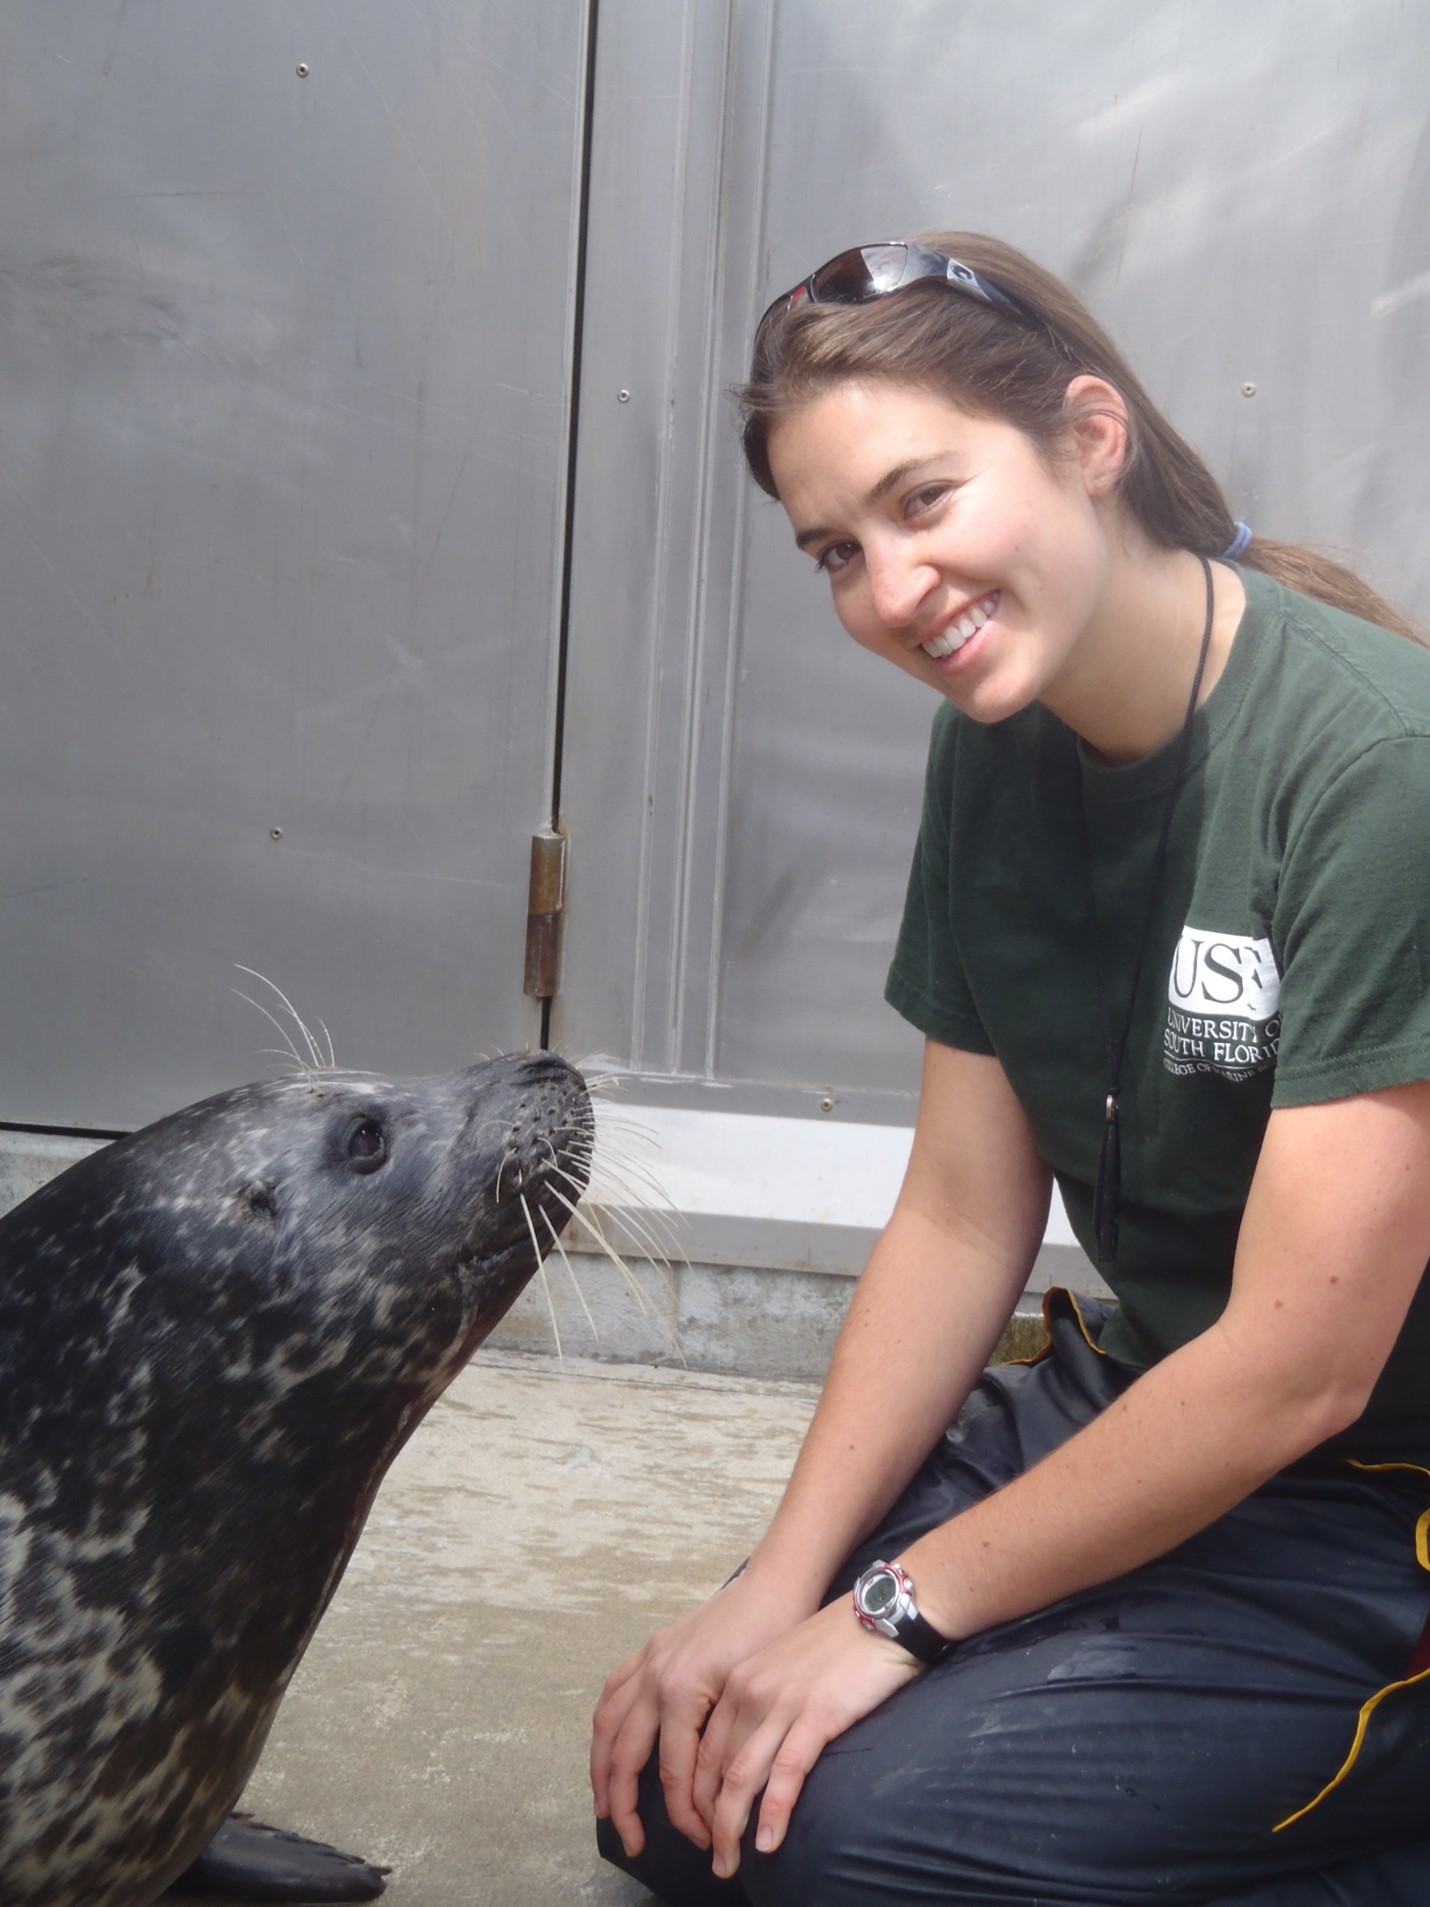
x=1107, y=1192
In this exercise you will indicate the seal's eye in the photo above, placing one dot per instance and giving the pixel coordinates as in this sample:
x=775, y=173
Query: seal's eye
x=367, y=1146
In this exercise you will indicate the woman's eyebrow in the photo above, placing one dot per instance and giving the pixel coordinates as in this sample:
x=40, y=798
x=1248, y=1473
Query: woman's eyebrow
x=890, y=480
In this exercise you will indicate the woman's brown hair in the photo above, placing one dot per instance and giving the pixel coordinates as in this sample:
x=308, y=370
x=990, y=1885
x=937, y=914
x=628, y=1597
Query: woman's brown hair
x=994, y=364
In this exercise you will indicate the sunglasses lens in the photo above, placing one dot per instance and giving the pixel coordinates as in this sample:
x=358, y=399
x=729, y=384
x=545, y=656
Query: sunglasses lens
x=855, y=277
x=868, y=272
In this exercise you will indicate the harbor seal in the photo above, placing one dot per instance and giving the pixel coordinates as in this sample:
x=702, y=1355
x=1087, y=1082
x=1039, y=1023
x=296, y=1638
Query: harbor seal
x=215, y=1335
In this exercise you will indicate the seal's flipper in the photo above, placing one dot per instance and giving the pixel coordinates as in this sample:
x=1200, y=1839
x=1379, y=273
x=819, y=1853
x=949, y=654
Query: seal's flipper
x=250, y=1862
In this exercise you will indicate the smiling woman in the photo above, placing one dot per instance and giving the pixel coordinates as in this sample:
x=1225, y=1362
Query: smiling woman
x=913, y=509
x=1142, y=1619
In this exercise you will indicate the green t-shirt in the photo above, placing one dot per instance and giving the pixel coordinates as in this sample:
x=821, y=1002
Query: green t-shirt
x=1287, y=961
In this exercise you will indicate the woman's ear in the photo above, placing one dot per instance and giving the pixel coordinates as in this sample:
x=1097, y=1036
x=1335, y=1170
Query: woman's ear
x=1101, y=432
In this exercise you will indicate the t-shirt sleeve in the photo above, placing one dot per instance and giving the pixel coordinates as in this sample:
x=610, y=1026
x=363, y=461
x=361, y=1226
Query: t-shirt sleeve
x=927, y=983
x=1353, y=922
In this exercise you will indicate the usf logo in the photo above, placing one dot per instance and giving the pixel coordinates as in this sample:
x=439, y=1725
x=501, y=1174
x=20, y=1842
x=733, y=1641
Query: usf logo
x=1223, y=1001
x=1224, y=973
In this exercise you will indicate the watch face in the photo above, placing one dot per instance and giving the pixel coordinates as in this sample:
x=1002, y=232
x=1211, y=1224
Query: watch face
x=880, y=1595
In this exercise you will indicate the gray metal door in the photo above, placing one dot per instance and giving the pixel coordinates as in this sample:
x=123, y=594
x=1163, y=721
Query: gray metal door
x=286, y=319
x=1243, y=193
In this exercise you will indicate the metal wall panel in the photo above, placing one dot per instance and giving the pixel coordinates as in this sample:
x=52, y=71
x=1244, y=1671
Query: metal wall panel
x=650, y=626
x=286, y=297
x=281, y=485
x=1242, y=194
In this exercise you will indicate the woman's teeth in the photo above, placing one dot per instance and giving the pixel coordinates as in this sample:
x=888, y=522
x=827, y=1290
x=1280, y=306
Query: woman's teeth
x=969, y=623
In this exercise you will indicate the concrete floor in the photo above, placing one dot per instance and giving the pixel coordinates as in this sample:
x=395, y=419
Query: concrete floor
x=540, y=1524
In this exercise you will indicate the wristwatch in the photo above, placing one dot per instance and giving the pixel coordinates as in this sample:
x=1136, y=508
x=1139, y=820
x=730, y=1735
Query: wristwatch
x=884, y=1601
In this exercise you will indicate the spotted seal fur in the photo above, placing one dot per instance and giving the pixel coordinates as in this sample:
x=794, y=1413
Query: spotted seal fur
x=215, y=1335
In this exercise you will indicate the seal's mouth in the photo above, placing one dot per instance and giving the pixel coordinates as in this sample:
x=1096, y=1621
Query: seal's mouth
x=538, y=1138
x=476, y=1263
x=525, y=1225
x=495, y=1273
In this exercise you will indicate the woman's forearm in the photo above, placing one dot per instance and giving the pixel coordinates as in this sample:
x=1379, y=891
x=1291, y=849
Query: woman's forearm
x=1183, y=1445
x=939, y=1287
x=922, y=1325
x=1332, y=1248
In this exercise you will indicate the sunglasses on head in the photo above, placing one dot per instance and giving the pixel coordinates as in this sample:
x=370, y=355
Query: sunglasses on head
x=868, y=272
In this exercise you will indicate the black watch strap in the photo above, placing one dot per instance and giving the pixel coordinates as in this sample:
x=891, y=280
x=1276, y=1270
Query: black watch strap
x=884, y=1602
x=918, y=1635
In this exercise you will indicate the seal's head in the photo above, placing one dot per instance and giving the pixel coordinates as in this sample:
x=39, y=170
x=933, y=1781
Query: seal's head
x=214, y=1337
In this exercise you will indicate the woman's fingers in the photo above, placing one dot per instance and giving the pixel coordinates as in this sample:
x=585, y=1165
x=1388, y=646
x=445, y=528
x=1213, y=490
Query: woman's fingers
x=777, y=1714
x=679, y=1748
x=710, y=1762
x=623, y=1734
x=641, y=1709
x=801, y=1748
x=665, y=1693
x=777, y=1757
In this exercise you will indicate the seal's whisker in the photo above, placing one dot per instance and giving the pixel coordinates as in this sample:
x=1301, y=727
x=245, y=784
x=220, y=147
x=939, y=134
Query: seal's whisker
x=640, y=1122
x=289, y=1050
x=315, y=1062
x=660, y=1251
x=620, y=1196
x=313, y=1053
x=506, y=1158
x=622, y=1182
x=594, y=1232
x=578, y=1185
x=541, y=1268
x=551, y=1311
x=284, y=1053
x=618, y=1122
x=627, y=1174
x=330, y=1063
x=661, y=1254
x=579, y=1144
x=556, y=1169
x=660, y=1225
x=571, y=1274
x=654, y=1223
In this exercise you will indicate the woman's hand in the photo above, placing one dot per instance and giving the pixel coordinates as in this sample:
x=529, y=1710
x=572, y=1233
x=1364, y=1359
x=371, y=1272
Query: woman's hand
x=777, y=1712
x=665, y=1691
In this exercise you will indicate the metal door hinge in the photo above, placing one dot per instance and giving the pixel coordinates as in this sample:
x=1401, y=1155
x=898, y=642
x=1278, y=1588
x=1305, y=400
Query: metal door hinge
x=545, y=899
